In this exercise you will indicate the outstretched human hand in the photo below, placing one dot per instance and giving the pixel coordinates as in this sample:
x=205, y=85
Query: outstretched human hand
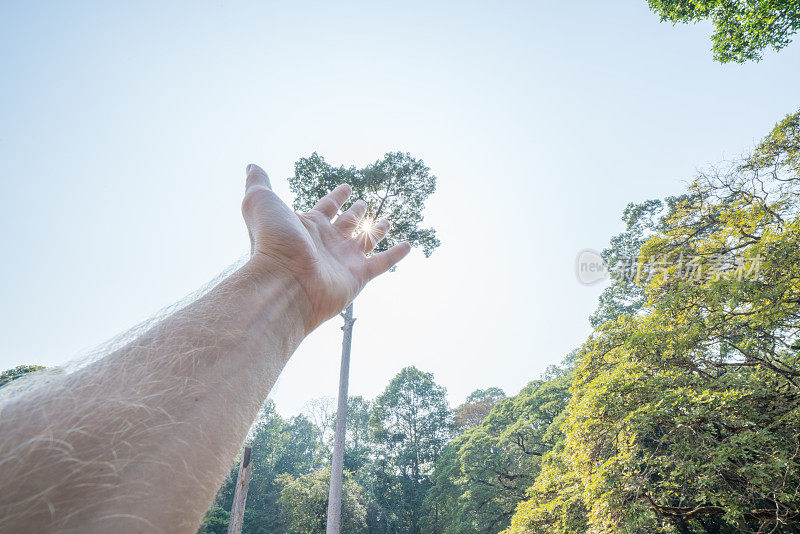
x=140, y=439
x=326, y=259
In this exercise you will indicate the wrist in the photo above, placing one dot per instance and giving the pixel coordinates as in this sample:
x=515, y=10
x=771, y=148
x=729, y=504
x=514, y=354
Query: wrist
x=281, y=292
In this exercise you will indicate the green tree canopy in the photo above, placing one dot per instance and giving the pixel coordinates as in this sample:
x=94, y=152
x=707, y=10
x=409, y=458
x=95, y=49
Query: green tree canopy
x=411, y=423
x=743, y=28
x=304, y=503
x=684, y=414
x=485, y=473
x=394, y=188
x=280, y=447
x=477, y=406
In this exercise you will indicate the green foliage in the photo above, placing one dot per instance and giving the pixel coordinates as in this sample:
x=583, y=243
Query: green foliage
x=555, y=502
x=684, y=414
x=780, y=150
x=477, y=406
x=279, y=447
x=624, y=296
x=358, y=447
x=394, y=188
x=743, y=28
x=411, y=423
x=391, y=448
x=19, y=371
x=304, y=503
x=485, y=472
x=215, y=521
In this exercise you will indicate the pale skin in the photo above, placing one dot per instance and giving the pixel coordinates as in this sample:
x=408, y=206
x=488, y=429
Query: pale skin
x=140, y=440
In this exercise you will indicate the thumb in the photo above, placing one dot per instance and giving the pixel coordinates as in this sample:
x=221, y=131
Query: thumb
x=256, y=177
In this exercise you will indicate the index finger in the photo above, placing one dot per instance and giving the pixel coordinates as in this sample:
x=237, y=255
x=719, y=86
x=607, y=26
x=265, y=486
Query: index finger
x=256, y=177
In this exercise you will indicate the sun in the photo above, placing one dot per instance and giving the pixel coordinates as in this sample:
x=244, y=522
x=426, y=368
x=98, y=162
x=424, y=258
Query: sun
x=366, y=226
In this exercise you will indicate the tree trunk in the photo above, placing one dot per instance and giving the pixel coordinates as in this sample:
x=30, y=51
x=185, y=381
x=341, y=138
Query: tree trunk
x=240, y=493
x=335, y=491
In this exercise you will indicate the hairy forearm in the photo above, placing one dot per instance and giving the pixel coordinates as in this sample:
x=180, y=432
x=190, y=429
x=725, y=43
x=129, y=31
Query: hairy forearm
x=140, y=439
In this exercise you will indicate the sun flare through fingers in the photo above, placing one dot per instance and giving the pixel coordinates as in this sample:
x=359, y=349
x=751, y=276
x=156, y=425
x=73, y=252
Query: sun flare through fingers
x=368, y=233
x=366, y=226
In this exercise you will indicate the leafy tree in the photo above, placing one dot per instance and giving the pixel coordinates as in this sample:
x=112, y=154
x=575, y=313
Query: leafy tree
x=684, y=415
x=304, y=503
x=322, y=412
x=396, y=188
x=554, y=504
x=411, y=423
x=624, y=296
x=215, y=521
x=477, y=406
x=743, y=29
x=358, y=447
x=485, y=473
x=279, y=447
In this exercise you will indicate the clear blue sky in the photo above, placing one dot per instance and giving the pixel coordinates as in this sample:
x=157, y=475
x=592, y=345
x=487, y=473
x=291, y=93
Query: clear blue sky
x=125, y=130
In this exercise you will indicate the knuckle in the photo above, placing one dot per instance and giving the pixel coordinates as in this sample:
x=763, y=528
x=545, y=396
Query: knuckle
x=330, y=205
x=347, y=218
x=316, y=216
x=323, y=205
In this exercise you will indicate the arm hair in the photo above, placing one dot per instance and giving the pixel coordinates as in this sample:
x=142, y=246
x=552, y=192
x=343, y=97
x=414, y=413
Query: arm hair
x=138, y=436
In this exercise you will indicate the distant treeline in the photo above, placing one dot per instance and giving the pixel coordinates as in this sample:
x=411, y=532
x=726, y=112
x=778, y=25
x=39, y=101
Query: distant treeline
x=413, y=464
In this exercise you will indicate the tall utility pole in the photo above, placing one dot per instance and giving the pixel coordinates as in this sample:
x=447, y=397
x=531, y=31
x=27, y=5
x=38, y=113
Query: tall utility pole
x=240, y=494
x=337, y=468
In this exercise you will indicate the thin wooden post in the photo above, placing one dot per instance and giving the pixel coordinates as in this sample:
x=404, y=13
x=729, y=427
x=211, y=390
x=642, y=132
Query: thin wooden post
x=240, y=493
x=335, y=490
